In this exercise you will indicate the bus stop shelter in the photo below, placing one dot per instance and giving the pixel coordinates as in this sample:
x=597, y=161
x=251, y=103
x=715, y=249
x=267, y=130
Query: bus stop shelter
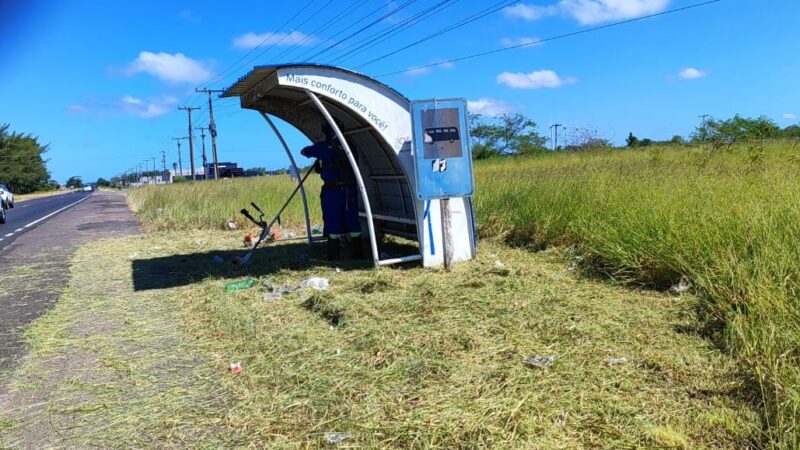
x=403, y=191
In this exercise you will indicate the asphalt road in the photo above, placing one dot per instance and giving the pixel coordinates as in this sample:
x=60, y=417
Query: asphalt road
x=28, y=214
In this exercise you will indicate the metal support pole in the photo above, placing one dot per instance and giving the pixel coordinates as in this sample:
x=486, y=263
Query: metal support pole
x=296, y=170
x=361, y=187
x=447, y=233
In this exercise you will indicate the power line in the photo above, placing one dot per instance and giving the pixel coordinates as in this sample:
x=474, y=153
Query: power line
x=285, y=35
x=374, y=39
x=268, y=37
x=354, y=23
x=366, y=27
x=553, y=38
x=333, y=20
x=467, y=20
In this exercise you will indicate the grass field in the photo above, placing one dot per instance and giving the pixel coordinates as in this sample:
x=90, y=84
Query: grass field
x=138, y=349
x=727, y=221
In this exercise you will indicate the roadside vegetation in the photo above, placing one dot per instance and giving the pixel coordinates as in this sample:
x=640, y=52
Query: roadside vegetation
x=723, y=218
x=187, y=206
x=138, y=351
x=22, y=164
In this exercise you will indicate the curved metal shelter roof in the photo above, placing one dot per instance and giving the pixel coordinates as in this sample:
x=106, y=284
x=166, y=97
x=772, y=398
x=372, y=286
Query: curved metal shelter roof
x=374, y=118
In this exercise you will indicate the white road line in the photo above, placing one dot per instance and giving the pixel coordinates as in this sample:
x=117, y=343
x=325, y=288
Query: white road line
x=17, y=230
x=24, y=206
x=9, y=234
x=55, y=212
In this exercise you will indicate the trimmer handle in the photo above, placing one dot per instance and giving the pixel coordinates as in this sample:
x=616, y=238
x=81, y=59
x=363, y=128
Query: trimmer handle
x=246, y=213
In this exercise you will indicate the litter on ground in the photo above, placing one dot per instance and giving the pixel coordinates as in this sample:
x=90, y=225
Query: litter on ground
x=336, y=438
x=316, y=283
x=247, y=283
x=616, y=361
x=236, y=368
x=541, y=362
x=683, y=286
x=276, y=292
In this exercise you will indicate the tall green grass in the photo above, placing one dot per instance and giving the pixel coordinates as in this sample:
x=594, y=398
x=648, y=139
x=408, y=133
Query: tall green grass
x=728, y=221
x=210, y=205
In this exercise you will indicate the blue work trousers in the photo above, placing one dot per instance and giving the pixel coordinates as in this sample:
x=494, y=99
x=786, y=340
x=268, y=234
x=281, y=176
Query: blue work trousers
x=340, y=210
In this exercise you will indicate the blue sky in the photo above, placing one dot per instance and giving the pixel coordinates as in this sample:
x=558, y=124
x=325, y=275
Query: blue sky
x=101, y=81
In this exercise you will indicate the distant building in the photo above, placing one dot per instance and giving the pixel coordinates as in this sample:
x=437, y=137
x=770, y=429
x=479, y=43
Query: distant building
x=226, y=170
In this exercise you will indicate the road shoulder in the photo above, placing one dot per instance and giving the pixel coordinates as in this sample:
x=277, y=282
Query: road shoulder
x=34, y=269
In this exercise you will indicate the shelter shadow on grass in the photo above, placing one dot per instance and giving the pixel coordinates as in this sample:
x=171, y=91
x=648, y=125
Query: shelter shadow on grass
x=185, y=269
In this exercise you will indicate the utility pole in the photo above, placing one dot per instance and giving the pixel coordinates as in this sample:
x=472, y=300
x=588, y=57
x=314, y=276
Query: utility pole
x=154, y=169
x=145, y=171
x=555, y=141
x=189, y=110
x=163, y=165
x=203, y=138
x=212, y=127
x=180, y=163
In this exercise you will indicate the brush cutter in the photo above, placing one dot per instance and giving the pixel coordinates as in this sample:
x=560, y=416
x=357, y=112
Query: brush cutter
x=265, y=227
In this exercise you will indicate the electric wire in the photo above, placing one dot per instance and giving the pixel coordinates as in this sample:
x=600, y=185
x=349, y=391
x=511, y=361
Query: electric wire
x=478, y=15
x=373, y=40
x=354, y=23
x=312, y=35
x=235, y=65
x=552, y=38
x=373, y=23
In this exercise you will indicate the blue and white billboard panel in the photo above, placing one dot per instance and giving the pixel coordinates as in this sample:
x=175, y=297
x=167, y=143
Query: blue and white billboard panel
x=442, y=157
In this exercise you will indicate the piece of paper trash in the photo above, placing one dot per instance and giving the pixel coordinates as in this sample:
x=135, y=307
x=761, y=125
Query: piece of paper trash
x=541, y=362
x=336, y=438
x=616, y=361
x=236, y=368
x=232, y=225
x=683, y=286
x=316, y=283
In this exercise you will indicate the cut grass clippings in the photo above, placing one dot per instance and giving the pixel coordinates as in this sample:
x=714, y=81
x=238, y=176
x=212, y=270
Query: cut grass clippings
x=414, y=358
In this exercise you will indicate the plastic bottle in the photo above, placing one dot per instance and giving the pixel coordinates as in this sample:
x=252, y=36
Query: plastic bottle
x=247, y=283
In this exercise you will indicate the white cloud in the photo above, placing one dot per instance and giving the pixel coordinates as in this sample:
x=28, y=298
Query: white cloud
x=589, y=12
x=153, y=107
x=177, y=68
x=789, y=116
x=126, y=105
x=539, y=79
x=527, y=41
x=252, y=40
x=418, y=71
x=439, y=64
x=189, y=16
x=690, y=73
x=489, y=107
x=131, y=100
x=530, y=12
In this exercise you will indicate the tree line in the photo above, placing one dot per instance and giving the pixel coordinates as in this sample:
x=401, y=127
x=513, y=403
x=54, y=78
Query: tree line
x=22, y=165
x=516, y=134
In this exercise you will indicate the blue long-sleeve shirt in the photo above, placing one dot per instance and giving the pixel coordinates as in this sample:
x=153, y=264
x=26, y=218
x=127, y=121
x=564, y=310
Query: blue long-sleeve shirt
x=335, y=166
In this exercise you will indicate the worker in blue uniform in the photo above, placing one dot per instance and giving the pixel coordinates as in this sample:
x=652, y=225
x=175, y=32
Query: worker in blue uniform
x=339, y=195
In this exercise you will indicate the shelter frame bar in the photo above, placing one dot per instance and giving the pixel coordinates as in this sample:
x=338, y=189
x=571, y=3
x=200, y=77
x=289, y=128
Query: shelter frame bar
x=296, y=171
x=359, y=180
